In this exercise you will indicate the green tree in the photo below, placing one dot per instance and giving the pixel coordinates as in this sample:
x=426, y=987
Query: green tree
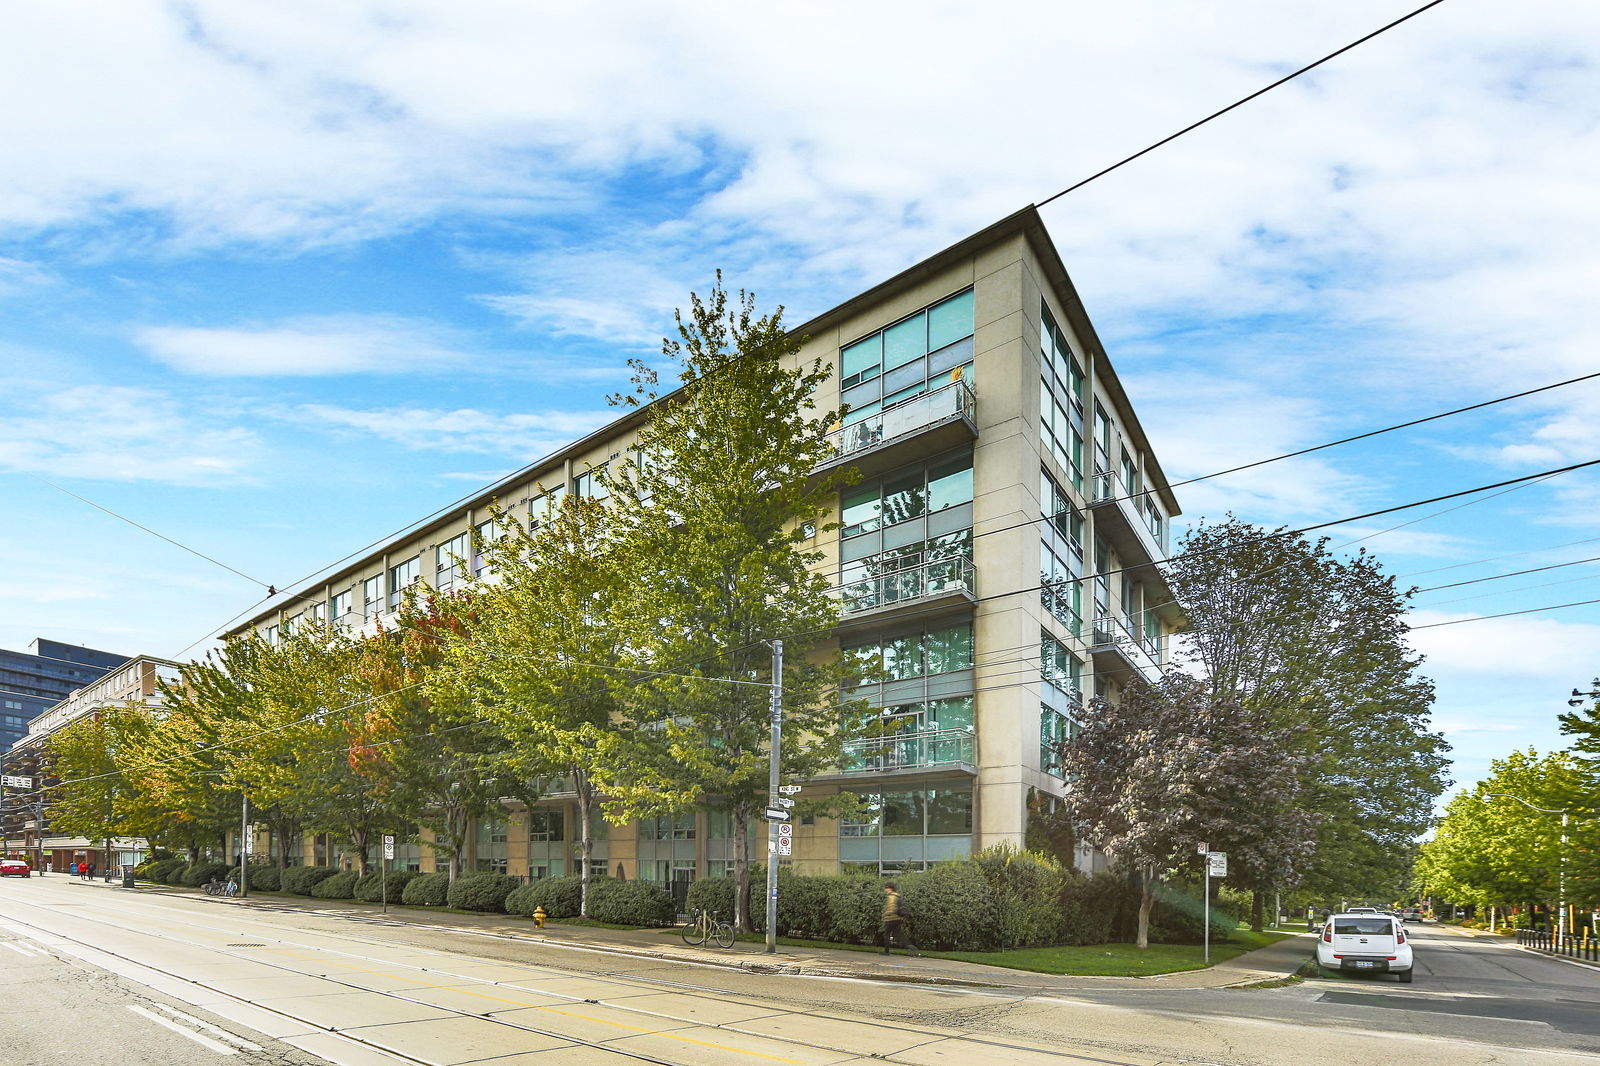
x=1168, y=766
x=95, y=799
x=423, y=742
x=1491, y=851
x=543, y=654
x=714, y=505
x=1315, y=644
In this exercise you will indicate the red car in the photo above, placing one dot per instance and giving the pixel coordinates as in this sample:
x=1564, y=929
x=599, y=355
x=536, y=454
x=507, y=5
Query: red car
x=15, y=868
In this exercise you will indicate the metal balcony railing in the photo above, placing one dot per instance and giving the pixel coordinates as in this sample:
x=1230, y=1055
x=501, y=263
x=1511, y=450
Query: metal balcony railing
x=1111, y=632
x=918, y=580
x=909, y=751
x=906, y=417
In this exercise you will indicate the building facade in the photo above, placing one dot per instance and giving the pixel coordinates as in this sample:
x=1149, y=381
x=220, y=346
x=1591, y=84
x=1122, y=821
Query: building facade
x=25, y=813
x=33, y=681
x=997, y=557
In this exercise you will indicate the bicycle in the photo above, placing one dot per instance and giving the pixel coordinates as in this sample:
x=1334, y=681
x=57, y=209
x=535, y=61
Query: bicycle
x=703, y=927
x=214, y=887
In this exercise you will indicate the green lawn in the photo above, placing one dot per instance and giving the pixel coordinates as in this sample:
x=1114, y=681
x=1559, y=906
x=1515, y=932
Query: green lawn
x=1094, y=960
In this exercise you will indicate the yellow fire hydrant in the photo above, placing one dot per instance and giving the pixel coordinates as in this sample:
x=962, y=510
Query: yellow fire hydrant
x=539, y=917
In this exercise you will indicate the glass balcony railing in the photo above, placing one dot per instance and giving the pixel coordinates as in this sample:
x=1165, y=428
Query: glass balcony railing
x=906, y=417
x=918, y=580
x=909, y=751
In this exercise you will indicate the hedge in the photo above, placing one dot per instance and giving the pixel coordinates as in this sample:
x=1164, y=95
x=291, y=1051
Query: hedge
x=1027, y=890
x=370, y=887
x=341, y=885
x=485, y=892
x=631, y=903
x=426, y=890
x=201, y=872
x=302, y=879
x=559, y=896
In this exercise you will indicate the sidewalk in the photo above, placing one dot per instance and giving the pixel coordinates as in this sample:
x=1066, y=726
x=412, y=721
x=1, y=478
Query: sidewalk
x=1272, y=963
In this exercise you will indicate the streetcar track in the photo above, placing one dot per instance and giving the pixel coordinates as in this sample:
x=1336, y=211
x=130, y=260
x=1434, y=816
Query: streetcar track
x=643, y=985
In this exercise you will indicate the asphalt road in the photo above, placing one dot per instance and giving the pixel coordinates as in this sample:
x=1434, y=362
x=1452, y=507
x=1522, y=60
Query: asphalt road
x=361, y=992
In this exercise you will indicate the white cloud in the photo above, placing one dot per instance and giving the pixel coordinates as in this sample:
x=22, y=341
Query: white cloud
x=526, y=436
x=1524, y=646
x=355, y=344
x=117, y=433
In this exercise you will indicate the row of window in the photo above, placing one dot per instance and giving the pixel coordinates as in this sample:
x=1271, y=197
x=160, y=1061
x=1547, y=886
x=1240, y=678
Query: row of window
x=930, y=348
x=918, y=654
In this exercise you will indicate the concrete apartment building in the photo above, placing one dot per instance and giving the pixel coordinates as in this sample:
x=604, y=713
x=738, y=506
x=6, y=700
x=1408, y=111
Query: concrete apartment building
x=998, y=557
x=24, y=823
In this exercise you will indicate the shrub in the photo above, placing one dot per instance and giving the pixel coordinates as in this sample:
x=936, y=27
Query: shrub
x=161, y=869
x=302, y=879
x=426, y=890
x=339, y=886
x=559, y=896
x=854, y=907
x=370, y=887
x=201, y=872
x=631, y=903
x=715, y=894
x=481, y=892
x=952, y=907
x=1027, y=895
x=262, y=877
x=1090, y=906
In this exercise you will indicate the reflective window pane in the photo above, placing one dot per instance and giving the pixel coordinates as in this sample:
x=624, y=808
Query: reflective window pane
x=950, y=320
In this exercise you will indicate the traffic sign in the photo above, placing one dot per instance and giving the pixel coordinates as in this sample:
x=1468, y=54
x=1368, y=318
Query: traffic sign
x=388, y=846
x=1202, y=847
x=785, y=846
x=13, y=781
x=788, y=790
x=1217, y=864
x=785, y=830
x=777, y=814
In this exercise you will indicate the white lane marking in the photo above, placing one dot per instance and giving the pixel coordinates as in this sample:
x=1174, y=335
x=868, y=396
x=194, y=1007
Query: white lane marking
x=198, y=1038
x=215, y=1030
x=20, y=950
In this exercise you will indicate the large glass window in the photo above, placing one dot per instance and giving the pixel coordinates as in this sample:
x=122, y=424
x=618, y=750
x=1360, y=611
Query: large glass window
x=341, y=607
x=915, y=355
x=401, y=577
x=452, y=556
x=491, y=846
x=912, y=812
x=485, y=535
x=371, y=596
x=545, y=506
x=935, y=651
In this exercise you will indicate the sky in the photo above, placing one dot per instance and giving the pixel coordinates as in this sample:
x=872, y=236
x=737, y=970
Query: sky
x=277, y=279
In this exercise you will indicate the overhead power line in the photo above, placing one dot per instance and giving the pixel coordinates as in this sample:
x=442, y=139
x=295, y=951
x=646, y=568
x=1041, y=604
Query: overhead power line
x=1507, y=614
x=1238, y=103
x=1514, y=573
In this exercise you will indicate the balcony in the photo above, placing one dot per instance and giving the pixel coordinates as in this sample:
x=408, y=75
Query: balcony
x=906, y=753
x=932, y=422
x=1120, y=649
x=1122, y=521
x=919, y=581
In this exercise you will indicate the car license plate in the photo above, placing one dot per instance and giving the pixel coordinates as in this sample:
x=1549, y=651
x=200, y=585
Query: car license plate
x=1364, y=964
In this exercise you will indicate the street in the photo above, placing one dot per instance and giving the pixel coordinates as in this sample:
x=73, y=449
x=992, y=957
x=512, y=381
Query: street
x=102, y=974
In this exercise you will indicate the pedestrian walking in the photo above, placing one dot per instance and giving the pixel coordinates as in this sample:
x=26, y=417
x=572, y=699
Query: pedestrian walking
x=895, y=914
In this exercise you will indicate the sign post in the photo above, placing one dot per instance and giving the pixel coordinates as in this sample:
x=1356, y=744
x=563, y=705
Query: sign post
x=383, y=869
x=1216, y=866
x=777, y=815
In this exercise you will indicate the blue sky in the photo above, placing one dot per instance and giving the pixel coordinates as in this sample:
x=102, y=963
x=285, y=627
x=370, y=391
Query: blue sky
x=277, y=279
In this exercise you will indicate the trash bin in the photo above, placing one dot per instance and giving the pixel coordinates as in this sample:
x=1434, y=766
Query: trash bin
x=127, y=876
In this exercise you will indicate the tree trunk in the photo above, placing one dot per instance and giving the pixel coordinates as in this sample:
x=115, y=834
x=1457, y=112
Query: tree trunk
x=580, y=785
x=359, y=838
x=741, y=867
x=1147, y=897
x=1258, y=904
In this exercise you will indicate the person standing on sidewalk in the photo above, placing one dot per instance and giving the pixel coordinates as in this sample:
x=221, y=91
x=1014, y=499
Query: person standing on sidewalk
x=894, y=920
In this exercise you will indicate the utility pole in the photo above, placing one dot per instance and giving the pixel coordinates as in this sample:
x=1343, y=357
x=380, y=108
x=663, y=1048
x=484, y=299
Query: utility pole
x=772, y=797
x=1561, y=887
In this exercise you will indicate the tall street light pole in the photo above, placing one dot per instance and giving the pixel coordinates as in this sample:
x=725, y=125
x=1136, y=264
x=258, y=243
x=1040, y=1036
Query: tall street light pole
x=1561, y=890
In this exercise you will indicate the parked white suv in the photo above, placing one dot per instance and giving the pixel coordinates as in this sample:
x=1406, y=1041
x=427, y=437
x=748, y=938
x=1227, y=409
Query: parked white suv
x=1366, y=943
